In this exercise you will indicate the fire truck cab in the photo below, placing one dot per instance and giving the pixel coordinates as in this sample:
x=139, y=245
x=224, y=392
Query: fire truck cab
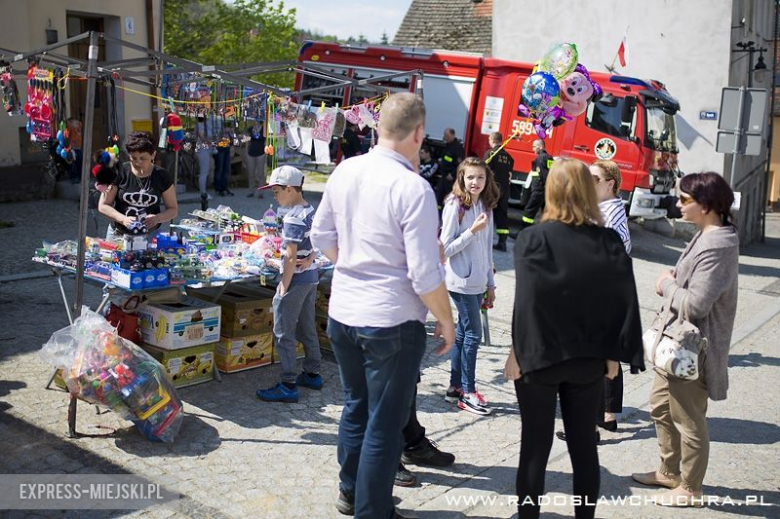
x=632, y=124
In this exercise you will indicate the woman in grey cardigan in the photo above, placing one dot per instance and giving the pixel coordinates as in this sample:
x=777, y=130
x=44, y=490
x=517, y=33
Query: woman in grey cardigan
x=678, y=407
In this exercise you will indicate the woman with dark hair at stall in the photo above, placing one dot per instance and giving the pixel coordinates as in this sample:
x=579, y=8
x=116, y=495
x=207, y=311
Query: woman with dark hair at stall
x=576, y=316
x=132, y=201
x=704, y=288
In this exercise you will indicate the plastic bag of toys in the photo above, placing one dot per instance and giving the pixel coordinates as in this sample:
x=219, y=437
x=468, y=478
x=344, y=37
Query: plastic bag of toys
x=102, y=368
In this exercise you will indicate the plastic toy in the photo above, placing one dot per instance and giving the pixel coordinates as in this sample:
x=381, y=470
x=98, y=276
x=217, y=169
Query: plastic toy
x=102, y=368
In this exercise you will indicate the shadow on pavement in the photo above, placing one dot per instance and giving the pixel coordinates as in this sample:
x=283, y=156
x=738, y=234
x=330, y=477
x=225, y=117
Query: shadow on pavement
x=53, y=454
x=195, y=438
x=6, y=386
x=768, y=249
x=752, y=360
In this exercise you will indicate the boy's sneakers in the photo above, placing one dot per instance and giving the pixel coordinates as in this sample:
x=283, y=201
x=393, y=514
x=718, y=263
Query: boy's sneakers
x=481, y=398
x=279, y=393
x=453, y=394
x=470, y=402
x=312, y=381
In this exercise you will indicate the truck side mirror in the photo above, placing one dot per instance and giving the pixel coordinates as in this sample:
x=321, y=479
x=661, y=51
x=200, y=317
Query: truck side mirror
x=629, y=106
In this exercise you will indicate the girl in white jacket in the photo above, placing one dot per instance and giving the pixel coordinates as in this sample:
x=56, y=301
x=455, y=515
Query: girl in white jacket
x=467, y=235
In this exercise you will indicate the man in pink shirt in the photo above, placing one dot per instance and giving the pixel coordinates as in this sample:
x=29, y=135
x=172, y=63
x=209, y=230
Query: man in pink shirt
x=378, y=223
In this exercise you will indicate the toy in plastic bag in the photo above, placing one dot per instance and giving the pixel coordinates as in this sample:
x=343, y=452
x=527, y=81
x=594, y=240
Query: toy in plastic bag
x=102, y=368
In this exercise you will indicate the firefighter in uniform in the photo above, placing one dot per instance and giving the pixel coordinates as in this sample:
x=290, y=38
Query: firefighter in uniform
x=538, y=177
x=502, y=165
x=451, y=157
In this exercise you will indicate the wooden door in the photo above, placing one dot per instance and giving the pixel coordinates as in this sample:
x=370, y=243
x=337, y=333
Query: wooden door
x=78, y=88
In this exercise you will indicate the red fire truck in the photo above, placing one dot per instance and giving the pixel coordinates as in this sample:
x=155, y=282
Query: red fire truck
x=632, y=124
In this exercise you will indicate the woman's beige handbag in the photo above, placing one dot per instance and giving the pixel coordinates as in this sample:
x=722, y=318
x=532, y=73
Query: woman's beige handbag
x=673, y=345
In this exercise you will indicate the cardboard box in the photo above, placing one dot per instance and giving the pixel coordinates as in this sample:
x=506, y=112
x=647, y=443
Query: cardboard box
x=246, y=310
x=322, y=332
x=323, y=298
x=300, y=353
x=240, y=353
x=187, y=366
x=124, y=278
x=179, y=325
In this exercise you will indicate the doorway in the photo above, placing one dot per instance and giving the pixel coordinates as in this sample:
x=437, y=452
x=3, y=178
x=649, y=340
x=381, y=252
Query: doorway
x=78, y=24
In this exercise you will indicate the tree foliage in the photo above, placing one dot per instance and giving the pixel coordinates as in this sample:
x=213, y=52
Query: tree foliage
x=218, y=33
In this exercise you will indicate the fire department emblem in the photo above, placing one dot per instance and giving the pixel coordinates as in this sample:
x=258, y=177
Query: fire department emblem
x=605, y=148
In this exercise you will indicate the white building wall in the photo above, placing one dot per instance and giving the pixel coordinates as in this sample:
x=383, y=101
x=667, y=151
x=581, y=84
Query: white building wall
x=685, y=44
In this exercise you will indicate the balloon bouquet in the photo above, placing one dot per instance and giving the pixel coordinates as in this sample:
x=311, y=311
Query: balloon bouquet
x=558, y=89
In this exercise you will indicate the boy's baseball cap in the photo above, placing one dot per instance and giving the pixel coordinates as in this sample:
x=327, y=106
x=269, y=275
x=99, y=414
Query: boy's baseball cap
x=285, y=176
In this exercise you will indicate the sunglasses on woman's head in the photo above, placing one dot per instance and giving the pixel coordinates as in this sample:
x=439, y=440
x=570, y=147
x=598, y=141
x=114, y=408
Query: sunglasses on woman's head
x=686, y=199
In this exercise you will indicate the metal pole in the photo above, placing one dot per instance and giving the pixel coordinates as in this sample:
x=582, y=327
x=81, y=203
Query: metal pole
x=175, y=170
x=738, y=131
x=84, y=203
x=85, y=178
x=765, y=191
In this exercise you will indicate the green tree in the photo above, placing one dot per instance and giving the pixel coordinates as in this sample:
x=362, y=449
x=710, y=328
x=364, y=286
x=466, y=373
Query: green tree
x=214, y=32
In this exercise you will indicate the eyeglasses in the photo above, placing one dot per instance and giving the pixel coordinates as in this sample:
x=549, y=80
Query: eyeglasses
x=686, y=199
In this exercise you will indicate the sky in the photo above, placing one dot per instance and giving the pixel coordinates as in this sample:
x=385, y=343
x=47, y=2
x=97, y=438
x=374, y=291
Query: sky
x=345, y=18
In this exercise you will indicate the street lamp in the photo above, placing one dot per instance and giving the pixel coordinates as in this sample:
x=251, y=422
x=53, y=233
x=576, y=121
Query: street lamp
x=760, y=69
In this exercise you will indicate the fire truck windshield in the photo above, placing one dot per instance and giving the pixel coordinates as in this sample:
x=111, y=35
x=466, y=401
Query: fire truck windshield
x=660, y=131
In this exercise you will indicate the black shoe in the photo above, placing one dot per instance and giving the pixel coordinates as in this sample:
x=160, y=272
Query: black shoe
x=345, y=504
x=610, y=426
x=500, y=247
x=229, y=192
x=404, y=478
x=428, y=453
x=562, y=436
x=204, y=201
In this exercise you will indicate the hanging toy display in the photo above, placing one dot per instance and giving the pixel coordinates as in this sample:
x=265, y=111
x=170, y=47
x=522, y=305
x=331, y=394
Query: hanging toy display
x=104, y=172
x=63, y=144
x=175, y=131
x=11, y=101
x=40, y=107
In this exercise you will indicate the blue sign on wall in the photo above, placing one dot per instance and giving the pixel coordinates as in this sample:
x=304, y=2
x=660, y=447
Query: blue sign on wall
x=708, y=116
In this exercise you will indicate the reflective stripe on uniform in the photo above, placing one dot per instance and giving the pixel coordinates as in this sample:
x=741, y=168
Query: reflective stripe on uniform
x=447, y=158
x=550, y=163
x=502, y=231
x=527, y=220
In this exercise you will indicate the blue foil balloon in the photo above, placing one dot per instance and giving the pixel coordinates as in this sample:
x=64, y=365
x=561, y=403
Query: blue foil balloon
x=540, y=92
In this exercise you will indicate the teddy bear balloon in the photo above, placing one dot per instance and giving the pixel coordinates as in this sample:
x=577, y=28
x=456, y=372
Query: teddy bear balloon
x=577, y=90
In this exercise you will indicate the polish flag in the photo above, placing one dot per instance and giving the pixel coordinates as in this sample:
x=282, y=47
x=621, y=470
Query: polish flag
x=623, y=50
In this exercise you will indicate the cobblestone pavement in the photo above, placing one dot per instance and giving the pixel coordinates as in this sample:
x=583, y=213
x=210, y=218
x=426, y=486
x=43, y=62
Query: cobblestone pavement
x=238, y=457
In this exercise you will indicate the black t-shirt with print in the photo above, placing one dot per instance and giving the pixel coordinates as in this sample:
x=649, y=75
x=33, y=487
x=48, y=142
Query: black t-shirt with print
x=139, y=197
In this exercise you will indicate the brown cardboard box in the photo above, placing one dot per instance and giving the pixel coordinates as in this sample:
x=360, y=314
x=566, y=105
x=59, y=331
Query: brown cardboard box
x=187, y=366
x=240, y=353
x=246, y=310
